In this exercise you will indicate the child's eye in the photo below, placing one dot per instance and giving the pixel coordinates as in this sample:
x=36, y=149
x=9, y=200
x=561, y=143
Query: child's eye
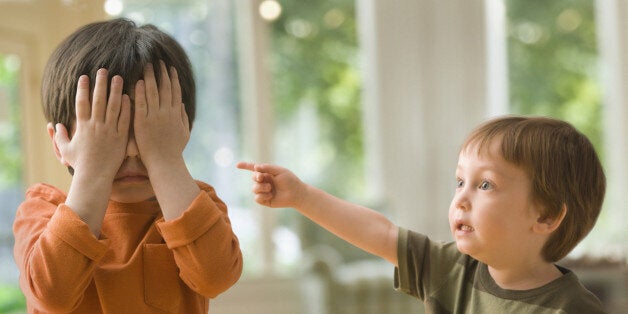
x=485, y=185
x=459, y=183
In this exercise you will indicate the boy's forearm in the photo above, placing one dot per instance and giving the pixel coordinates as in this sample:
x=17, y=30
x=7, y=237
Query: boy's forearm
x=88, y=197
x=174, y=187
x=358, y=225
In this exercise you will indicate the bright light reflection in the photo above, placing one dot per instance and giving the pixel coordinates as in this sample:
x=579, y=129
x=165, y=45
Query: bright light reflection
x=299, y=28
x=113, y=7
x=223, y=157
x=270, y=10
x=287, y=246
x=12, y=63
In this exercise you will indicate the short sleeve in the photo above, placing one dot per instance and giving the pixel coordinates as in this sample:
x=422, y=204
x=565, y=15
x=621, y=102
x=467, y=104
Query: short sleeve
x=411, y=252
x=425, y=265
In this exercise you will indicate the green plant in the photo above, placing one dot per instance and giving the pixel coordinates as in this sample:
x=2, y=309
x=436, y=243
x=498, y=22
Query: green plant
x=11, y=299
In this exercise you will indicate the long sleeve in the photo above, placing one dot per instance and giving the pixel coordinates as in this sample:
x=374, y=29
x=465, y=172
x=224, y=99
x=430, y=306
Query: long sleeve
x=141, y=264
x=54, y=250
x=205, y=248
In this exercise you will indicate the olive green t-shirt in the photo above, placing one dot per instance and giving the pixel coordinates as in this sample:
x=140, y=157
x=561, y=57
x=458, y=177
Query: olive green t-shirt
x=448, y=281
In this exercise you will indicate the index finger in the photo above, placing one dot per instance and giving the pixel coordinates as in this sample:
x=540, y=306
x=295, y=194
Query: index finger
x=246, y=166
x=176, y=86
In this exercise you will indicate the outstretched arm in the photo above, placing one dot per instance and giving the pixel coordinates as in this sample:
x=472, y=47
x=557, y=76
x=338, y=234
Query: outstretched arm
x=363, y=227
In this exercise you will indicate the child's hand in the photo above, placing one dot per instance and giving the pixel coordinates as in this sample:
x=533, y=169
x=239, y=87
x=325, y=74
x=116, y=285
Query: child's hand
x=99, y=143
x=275, y=186
x=161, y=123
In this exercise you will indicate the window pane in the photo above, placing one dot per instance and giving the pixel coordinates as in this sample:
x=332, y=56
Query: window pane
x=553, y=61
x=316, y=92
x=11, y=185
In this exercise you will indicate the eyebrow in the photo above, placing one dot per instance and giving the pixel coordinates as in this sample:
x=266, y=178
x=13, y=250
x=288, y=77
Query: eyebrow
x=488, y=167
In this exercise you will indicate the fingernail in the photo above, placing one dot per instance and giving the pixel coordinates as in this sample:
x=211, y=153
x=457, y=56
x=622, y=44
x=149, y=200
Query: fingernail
x=102, y=71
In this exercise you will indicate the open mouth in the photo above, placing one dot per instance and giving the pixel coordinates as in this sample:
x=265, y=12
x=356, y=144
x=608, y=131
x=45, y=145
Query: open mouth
x=465, y=228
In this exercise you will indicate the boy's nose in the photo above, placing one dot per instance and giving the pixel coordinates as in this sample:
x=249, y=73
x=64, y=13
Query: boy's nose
x=461, y=201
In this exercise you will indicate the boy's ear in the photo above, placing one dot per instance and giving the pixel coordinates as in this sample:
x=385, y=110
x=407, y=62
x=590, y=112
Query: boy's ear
x=547, y=225
x=55, y=147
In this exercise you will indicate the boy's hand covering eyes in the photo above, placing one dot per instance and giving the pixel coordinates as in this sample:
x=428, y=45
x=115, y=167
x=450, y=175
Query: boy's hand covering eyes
x=102, y=128
x=161, y=123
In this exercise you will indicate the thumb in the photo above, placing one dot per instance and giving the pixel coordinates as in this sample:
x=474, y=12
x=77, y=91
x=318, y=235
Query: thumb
x=269, y=168
x=60, y=141
x=61, y=135
x=264, y=168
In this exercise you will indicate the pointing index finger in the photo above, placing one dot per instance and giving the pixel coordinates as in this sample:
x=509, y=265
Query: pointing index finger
x=246, y=166
x=263, y=168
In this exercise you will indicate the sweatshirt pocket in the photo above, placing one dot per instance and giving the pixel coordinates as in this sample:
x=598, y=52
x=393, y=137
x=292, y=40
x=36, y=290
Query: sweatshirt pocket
x=162, y=286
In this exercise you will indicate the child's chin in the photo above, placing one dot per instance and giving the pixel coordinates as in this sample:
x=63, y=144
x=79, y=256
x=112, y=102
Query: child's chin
x=132, y=193
x=132, y=180
x=464, y=247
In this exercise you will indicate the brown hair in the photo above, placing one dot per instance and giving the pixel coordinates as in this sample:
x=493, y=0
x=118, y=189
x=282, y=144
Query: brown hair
x=123, y=49
x=563, y=166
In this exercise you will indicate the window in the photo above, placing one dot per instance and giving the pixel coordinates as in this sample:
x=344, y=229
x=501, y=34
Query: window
x=11, y=186
x=317, y=109
x=553, y=59
x=554, y=71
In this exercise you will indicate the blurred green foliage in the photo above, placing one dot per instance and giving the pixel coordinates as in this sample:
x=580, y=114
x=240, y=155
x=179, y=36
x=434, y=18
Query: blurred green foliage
x=314, y=63
x=553, y=62
x=10, y=135
x=314, y=58
x=11, y=299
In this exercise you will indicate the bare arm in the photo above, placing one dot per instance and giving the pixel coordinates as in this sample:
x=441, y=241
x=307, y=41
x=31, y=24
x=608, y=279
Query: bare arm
x=162, y=132
x=96, y=149
x=361, y=226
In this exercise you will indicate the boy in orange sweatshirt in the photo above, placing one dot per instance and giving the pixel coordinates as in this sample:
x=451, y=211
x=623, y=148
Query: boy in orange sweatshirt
x=135, y=233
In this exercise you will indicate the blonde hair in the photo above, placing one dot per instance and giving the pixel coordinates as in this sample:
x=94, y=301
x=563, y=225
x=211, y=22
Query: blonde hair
x=564, y=169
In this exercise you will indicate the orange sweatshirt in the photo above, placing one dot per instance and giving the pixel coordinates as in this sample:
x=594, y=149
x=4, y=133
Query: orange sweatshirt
x=140, y=263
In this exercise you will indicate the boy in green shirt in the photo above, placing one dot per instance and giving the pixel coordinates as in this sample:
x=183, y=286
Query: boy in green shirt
x=528, y=190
